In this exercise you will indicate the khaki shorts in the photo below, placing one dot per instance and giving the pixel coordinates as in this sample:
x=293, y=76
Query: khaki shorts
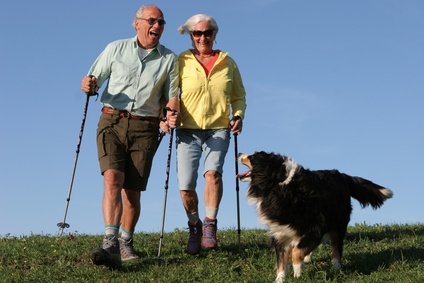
x=127, y=145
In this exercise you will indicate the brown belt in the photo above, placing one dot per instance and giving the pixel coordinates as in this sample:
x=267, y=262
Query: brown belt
x=126, y=114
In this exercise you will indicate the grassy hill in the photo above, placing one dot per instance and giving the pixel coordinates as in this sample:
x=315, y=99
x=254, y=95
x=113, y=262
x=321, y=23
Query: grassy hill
x=377, y=253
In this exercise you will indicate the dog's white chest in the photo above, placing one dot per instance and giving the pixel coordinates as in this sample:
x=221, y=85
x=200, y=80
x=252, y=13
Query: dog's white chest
x=281, y=233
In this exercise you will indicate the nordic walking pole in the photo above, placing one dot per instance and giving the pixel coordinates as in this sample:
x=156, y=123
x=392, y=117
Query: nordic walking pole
x=161, y=135
x=237, y=188
x=62, y=225
x=168, y=166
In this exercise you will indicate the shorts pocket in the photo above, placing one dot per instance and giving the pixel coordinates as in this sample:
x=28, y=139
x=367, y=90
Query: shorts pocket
x=101, y=145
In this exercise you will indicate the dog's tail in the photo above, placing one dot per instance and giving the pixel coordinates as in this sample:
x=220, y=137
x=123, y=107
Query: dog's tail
x=367, y=192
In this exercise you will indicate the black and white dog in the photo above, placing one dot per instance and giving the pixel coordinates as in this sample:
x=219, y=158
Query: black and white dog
x=301, y=207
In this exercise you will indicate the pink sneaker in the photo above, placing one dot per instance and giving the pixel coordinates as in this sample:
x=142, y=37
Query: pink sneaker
x=209, y=233
x=194, y=239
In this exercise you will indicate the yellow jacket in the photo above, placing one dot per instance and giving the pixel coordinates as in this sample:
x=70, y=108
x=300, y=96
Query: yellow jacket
x=205, y=101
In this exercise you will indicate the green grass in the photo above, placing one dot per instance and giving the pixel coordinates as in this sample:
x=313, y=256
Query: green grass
x=377, y=253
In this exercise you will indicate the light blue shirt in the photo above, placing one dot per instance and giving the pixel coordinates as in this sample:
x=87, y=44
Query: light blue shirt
x=137, y=86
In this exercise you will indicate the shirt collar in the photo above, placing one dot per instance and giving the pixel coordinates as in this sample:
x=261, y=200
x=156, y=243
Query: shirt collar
x=159, y=47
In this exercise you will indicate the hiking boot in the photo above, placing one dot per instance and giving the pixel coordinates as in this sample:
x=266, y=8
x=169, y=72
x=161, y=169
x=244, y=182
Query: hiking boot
x=127, y=251
x=209, y=234
x=195, y=237
x=108, y=255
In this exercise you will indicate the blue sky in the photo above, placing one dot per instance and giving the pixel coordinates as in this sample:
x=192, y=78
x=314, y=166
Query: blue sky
x=332, y=84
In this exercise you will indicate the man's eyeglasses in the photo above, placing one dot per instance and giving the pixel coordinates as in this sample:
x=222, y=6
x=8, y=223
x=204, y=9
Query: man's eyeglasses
x=153, y=21
x=206, y=33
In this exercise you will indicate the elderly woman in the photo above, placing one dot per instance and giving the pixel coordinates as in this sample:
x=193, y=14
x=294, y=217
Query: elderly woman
x=211, y=89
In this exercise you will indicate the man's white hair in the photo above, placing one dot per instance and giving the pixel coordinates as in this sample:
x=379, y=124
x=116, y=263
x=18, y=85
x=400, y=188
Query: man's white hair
x=140, y=11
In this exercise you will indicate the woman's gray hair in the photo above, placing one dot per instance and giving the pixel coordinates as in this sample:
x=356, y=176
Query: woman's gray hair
x=140, y=11
x=187, y=27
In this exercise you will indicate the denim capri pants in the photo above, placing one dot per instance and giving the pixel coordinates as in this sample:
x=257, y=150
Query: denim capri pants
x=192, y=145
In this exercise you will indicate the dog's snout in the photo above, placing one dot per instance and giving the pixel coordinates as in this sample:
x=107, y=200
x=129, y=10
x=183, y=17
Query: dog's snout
x=241, y=156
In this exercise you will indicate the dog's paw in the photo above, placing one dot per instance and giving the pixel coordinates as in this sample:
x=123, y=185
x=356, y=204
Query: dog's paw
x=336, y=264
x=308, y=258
x=297, y=270
x=280, y=277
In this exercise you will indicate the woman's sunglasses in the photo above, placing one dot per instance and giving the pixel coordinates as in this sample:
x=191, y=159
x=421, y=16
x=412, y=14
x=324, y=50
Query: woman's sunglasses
x=206, y=33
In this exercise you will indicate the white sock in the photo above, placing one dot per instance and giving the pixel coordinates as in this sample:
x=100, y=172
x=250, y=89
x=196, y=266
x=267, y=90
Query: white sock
x=126, y=235
x=112, y=229
x=211, y=212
